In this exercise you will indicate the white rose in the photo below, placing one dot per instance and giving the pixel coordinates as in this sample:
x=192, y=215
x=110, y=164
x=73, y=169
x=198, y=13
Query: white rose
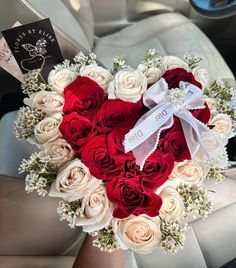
x=59, y=151
x=96, y=210
x=189, y=172
x=128, y=86
x=73, y=182
x=152, y=74
x=60, y=79
x=141, y=233
x=47, y=130
x=172, y=204
x=210, y=142
x=171, y=182
x=98, y=74
x=214, y=146
x=201, y=75
x=48, y=101
x=223, y=126
x=172, y=62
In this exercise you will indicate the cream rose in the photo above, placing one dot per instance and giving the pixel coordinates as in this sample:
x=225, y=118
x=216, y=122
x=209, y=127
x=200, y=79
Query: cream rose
x=96, y=210
x=59, y=151
x=214, y=146
x=73, y=182
x=60, y=79
x=98, y=74
x=223, y=126
x=172, y=204
x=171, y=182
x=47, y=130
x=189, y=172
x=141, y=233
x=48, y=101
x=172, y=62
x=201, y=75
x=128, y=86
x=152, y=74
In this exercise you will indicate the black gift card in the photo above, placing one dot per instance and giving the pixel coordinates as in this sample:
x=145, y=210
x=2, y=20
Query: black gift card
x=34, y=46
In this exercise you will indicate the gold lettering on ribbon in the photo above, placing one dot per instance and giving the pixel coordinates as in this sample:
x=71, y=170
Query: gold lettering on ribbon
x=161, y=115
x=135, y=136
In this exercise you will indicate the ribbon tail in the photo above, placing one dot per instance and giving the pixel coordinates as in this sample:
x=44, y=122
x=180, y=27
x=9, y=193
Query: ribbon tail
x=145, y=149
x=204, y=144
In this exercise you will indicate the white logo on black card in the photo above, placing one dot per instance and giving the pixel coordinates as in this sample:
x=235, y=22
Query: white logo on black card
x=38, y=49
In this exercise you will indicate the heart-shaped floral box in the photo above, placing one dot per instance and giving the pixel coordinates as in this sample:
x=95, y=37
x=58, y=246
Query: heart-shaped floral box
x=84, y=121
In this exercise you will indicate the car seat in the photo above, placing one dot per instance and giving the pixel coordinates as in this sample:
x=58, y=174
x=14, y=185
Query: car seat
x=31, y=233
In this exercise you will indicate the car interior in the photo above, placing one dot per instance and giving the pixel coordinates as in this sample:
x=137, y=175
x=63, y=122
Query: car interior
x=31, y=234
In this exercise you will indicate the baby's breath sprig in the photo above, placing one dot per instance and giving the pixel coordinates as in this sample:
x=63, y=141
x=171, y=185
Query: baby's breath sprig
x=226, y=108
x=196, y=200
x=67, y=64
x=105, y=239
x=26, y=120
x=192, y=60
x=172, y=235
x=222, y=89
x=151, y=54
x=79, y=60
x=152, y=59
x=69, y=211
x=39, y=165
x=34, y=182
x=33, y=82
x=118, y=65
x=216, y=175
x=82, y=59
x=41, y=173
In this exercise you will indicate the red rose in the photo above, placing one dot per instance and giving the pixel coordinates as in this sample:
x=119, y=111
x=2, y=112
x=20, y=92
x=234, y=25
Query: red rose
x=157, y=169
x=131, y=169
x=203, y=115
x=95, y=155
x=174, y=142
x=115, y=141
x=75, y=130
x=83, y=96
x=175, y=127
x=174, y=76
x=130, y=198
x=117, y=113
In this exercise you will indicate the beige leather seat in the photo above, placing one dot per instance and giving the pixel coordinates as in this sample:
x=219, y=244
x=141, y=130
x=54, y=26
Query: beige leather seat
x=33, y=237
x=169, y=33
x=31, y=234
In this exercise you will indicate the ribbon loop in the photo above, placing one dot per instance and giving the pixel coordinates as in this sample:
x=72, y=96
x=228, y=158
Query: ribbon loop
x=143, y=139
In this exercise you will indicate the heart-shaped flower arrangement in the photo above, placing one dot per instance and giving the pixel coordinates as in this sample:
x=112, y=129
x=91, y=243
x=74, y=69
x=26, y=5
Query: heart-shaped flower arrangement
x=95, y=127
x=85, y=121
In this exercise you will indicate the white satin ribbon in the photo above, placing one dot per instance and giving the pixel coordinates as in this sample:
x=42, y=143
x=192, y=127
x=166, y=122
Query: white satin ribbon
x=163, y=103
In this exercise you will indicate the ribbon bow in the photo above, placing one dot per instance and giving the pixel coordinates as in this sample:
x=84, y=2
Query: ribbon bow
x=203, y=143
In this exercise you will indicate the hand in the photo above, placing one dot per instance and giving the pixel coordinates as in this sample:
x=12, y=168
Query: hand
x=91, y=257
